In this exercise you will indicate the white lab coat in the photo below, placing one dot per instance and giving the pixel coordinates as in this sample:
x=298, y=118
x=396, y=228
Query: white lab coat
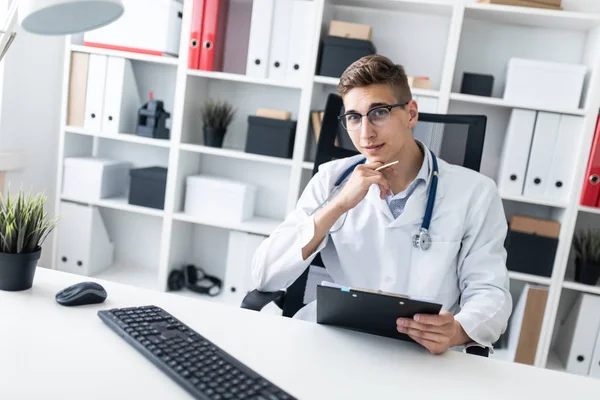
x=464, y=269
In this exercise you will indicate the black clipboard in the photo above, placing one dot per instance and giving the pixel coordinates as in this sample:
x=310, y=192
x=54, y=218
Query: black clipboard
x=368, y=311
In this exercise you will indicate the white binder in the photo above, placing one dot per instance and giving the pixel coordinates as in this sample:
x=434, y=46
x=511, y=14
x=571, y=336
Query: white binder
x=560, y=177
x=515, y=152
x=280, y=40
x=238, y=279
x=300, y=40
x=595, y=362
x=121, y=97
x=94, y=97
x=84, y=246
x=577, y=335
x=260, y=38
x=540, y=159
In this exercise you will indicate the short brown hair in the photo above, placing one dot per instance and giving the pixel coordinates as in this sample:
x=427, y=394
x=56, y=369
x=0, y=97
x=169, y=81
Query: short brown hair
x=372, y=70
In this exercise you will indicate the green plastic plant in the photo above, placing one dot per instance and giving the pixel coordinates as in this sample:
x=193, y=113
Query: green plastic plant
x=217, y=115
x=587, y=246
x=24, y=225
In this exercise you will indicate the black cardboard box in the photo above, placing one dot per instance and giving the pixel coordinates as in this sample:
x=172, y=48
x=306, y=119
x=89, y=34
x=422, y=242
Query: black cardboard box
x=147, y=187
x=270, y=136
x=530, y=253
x=338, y=53
x=477, y=84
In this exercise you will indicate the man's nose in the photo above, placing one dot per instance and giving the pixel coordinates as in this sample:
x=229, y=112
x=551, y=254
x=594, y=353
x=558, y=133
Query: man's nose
x=366, y=129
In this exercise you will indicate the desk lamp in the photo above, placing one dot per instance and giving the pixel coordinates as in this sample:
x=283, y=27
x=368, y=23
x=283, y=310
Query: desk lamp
x=58, y=17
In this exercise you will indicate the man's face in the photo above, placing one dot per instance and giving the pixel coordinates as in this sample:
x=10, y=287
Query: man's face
x=382, y=143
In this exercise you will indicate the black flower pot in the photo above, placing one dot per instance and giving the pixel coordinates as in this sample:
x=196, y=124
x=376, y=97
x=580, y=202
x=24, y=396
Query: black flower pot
x=213, y=137
x=17, y=270
x=587, y=272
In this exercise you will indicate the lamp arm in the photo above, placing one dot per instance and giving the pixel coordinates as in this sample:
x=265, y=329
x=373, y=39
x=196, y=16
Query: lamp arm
x=8, y=34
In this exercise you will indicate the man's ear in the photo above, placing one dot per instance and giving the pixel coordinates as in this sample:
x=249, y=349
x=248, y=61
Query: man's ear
x=413, y=112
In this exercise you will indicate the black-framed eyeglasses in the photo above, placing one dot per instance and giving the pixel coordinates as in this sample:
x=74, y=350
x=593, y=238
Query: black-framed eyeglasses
x=378, y=116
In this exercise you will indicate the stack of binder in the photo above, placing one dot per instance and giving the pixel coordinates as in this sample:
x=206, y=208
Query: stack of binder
x=207, y=34
x=590, y=195
x=103, y=94
x=279, y=45
x=539, y=155
x=578, y=342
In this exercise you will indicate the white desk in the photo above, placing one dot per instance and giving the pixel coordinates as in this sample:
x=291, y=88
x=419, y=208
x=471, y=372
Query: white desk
x=52, y=352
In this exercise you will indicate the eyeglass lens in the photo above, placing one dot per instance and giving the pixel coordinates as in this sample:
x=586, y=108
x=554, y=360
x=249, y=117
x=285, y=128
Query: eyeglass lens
x=377, y=116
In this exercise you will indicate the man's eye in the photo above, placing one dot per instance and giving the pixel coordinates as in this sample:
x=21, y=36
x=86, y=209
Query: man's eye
x=380, y=112
x=352, y=117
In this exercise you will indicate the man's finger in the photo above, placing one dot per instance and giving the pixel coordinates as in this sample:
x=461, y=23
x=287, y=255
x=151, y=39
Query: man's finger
x=409, y=323
x=433, y=347
x=442, y=318
x=415, y=333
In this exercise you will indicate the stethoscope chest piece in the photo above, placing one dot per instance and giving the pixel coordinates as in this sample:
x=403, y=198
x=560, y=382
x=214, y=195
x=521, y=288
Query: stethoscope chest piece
x=422, y=240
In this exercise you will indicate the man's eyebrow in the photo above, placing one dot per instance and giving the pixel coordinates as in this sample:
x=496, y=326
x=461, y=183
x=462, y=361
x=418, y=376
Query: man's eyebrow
x=372, y=105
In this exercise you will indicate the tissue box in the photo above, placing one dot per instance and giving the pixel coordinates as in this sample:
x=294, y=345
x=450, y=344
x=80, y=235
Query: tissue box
x=89, y=178
x=220, y=199
x=544, y=84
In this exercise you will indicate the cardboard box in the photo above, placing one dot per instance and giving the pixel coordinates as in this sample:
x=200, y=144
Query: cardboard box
x=535, y=226
x=90, y=178
x=350, y=30
x=419, y=82
x=270, y=113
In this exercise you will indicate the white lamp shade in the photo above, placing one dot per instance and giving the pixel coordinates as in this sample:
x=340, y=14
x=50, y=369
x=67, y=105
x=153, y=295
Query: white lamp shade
x=65, y=17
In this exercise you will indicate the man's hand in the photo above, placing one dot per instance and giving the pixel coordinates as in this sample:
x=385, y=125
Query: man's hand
x=358, y=185
x=437, y=333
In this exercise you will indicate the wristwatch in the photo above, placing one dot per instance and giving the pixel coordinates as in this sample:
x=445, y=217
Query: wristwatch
x=476, y=349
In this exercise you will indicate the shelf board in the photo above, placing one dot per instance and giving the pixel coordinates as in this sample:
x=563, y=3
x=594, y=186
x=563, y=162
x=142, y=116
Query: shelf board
x=542, y=280
x=498, y=102
x=239, y=154
x=581, y=287
x=118, y=203
x=165, y=60
x=225, y=76
x=328, y=80
x=130, y=275
x=124, y=137
x=308, y=165
x=530, y=16
x=433, y=7
x=258, y=225
x=590, y=210
x=530, y=200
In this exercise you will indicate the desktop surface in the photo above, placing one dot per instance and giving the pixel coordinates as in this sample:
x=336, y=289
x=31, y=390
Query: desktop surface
x=51, y=351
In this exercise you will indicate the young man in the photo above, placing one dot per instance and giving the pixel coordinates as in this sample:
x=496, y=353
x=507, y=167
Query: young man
x=365, y=231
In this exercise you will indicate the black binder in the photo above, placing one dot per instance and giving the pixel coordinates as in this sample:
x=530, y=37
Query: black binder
x=368, y=311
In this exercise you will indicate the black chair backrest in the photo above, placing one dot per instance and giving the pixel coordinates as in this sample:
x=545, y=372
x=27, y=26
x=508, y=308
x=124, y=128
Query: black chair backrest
x=457, y=139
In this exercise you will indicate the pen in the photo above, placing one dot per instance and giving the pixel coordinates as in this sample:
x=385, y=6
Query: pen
x=386, y=165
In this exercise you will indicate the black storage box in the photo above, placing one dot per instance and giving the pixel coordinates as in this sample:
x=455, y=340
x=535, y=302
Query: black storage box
x=477, y=84
x=270, y=136
x=147, y=187
x=530, y=254
x=337, y=53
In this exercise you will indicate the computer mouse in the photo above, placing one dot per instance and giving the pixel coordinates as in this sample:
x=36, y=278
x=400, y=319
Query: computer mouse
x=81, y=294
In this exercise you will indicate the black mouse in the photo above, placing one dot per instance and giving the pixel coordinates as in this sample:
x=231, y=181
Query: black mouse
x=81, y=294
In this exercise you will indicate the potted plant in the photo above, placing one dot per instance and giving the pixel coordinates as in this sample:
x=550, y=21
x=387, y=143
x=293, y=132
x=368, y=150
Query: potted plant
x=216, y=117
x=24, y=225
x=587, y=259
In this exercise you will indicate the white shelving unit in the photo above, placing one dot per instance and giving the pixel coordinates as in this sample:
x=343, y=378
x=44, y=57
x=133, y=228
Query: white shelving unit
x=438, y=38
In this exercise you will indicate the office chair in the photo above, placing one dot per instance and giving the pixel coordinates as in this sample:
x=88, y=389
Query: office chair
x=457, y=139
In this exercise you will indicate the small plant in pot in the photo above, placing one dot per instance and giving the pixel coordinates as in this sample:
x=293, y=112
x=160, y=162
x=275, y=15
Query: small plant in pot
x=587, y=259
x=24, y=226
x=216, y=117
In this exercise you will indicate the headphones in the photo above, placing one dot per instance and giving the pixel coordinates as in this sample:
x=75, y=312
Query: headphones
x=195, y=279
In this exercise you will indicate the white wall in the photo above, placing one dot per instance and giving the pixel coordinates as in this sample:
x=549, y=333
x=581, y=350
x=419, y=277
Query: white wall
x=30, y=114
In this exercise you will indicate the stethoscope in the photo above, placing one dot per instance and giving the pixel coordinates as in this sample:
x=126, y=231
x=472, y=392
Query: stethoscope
x=421, y=240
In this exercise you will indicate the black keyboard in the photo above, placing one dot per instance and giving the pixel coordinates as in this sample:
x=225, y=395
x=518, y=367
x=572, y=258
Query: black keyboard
x=195, y=363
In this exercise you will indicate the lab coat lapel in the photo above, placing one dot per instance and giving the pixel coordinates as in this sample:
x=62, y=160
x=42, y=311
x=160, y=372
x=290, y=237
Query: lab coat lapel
x=374, y=197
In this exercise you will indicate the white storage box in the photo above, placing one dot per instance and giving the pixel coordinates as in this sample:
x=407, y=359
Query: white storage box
x=146, y=26
x=89, y=178
x=544, y=84
x=219, y=199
